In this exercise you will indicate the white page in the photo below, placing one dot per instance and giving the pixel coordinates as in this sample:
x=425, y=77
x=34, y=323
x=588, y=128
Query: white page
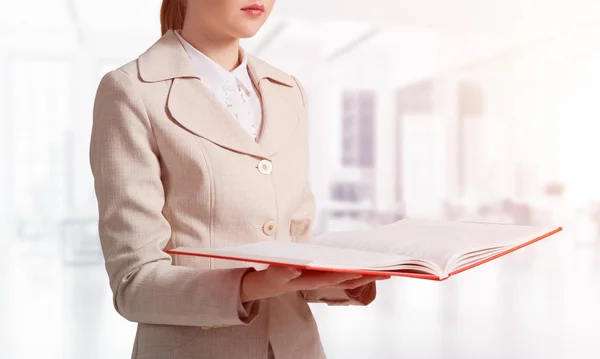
x=305, y=254
x=472, y=259
x=439, y=242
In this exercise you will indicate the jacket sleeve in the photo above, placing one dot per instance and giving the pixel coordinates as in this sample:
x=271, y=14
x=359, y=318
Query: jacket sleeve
x=146, y=287
x=301, y=232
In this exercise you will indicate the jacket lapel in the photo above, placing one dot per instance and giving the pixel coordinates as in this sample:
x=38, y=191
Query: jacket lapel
x=196, y=109
x=279, y=101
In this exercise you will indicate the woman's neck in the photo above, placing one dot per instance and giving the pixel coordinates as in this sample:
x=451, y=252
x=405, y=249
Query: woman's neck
x=222, y=50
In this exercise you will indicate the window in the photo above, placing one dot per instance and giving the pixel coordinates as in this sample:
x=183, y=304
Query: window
x=471, y=142
x=40, y=108
x=357, y=129
x=414, y=103
x=354, y=192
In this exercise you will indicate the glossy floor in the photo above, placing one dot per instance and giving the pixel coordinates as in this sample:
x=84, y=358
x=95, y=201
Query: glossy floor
x=541, y=303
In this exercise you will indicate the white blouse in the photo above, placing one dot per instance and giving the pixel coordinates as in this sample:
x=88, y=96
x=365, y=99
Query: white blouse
x=234, y=89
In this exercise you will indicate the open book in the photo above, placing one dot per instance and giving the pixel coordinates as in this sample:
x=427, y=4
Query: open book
x=411, y=248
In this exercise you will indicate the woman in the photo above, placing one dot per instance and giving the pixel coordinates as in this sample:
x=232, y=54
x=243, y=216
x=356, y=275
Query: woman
x=196, y=143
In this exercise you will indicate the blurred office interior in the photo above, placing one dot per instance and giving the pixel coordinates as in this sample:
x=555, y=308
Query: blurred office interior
x=479, y=110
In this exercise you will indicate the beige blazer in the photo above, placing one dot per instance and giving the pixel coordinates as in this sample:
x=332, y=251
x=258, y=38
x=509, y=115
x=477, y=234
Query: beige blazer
x=172, y=169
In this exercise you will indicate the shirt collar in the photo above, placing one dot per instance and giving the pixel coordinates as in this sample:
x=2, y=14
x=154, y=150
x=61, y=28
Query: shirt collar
x=213, y=74
x=167, y=59
x=241, y=72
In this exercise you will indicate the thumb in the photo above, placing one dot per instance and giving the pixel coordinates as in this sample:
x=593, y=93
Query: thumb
x=293, y=273
x=286, y=273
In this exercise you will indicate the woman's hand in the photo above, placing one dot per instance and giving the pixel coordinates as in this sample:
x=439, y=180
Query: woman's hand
x=275, y=281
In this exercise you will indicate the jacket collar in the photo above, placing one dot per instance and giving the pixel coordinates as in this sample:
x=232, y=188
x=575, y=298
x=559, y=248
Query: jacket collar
x=194, y=107
x=167, y=59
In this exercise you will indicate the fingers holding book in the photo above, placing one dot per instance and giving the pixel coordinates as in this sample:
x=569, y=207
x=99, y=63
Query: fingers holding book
x=359, y=282
x=278, y=280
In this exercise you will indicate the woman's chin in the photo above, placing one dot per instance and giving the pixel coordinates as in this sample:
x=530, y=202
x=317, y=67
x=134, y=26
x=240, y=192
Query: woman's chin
x=247, y=31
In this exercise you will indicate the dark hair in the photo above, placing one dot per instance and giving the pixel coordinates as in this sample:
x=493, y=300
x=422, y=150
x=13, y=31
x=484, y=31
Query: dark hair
x=172, y=15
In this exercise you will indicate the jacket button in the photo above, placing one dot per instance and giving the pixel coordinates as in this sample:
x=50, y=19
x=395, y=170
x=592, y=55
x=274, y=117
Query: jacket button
x=270, y=228
x=265, y=167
